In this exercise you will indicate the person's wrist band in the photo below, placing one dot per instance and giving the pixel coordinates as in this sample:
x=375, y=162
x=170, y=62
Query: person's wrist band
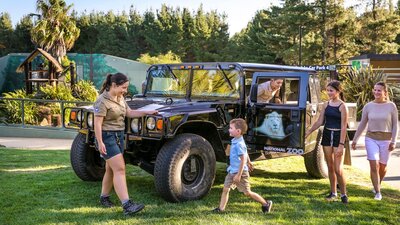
x=341, y=143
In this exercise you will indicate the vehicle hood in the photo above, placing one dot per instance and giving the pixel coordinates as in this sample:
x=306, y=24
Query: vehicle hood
x=174, y=106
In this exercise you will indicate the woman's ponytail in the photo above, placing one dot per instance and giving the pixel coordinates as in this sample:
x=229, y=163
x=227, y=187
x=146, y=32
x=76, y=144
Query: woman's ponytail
x=106, y=84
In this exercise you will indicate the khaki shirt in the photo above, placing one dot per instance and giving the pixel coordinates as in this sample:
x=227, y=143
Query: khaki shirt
x=265, y=93
x=112, y=111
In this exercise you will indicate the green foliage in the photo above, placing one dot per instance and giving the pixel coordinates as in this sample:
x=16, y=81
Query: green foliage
x=56, y=32
x=65, y=63
x=395, y=94
x=6, y=32
x=380, y=27
x=85, y=91
x=22, y=37
x=12, y=108
x=358, y=86
x=60, y=92
x=170, y=57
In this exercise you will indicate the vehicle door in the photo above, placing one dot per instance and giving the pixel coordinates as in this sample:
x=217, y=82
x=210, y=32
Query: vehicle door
x=278, y=125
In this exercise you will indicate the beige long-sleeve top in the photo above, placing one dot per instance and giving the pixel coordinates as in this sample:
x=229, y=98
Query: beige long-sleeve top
x=380, y=117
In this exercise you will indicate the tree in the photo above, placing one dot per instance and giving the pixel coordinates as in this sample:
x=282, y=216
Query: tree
x=6, y=32
x=170, y=57
x=56, y=32
x=380, y=27
x=22, y=36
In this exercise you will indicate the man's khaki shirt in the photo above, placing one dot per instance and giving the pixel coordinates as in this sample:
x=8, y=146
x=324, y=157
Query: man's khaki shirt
x=113, y=112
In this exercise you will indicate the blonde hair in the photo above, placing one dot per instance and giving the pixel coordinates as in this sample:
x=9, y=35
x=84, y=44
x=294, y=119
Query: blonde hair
x=241, y=124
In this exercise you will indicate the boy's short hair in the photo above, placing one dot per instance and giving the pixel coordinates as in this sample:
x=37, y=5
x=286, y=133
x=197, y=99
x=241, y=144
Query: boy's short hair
x=239, y=123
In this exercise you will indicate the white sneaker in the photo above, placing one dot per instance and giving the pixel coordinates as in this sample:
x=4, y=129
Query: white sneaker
x=378, y=196
x=373, y=190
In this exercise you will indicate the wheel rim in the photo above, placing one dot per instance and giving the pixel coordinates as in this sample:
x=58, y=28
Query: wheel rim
x=192, y=169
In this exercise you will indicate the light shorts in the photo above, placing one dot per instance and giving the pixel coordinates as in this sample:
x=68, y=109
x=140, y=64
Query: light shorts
x=377, y=150
x=242, y=186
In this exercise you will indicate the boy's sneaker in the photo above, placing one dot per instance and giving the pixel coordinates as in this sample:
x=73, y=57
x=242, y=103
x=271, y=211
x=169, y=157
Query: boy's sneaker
x=373, y=190
x=131, y=207
x=331, y=197
x=267, y=207
x=106, y=202
x=217, y=210
x=345, y=199
x=378, y=196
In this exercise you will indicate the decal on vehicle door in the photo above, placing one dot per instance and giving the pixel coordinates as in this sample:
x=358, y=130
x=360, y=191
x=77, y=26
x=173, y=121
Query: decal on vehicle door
x=296, y=151
x=272, y=126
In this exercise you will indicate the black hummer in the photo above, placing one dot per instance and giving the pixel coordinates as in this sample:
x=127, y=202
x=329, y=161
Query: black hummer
x=196, y=101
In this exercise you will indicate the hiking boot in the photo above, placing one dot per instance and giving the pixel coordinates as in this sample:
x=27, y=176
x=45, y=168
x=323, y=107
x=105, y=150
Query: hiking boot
x=106, y=202
x=267, y=207
x=331, y=197
x=378, y=196
x=345, y=199
x=131, y=207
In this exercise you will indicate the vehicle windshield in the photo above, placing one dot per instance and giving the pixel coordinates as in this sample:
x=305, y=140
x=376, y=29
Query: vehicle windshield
x=206, y=83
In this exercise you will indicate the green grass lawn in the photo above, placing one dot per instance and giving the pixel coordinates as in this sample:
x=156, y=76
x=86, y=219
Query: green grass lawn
x=39, y=187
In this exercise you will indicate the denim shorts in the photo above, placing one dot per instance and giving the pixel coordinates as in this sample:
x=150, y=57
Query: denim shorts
x=114, y=142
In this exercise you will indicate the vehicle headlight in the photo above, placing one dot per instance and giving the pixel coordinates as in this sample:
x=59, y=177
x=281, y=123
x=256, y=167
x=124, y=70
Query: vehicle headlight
x=151, y=123
x=135, y=126
x=90, y=120
x=79, y=116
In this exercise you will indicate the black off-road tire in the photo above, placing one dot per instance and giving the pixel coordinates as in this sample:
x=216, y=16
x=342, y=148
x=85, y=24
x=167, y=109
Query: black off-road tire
x=185, y=168
x=315, y=160
x=86, y=161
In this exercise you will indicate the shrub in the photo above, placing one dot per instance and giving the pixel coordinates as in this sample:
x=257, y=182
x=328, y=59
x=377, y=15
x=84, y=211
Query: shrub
x=60, y=92
x=85, y=91
x=395, y=94
x=358, y=85
x=12, y=108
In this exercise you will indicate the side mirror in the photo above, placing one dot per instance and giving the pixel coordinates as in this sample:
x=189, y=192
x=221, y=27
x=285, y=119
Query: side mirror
x=253, y=93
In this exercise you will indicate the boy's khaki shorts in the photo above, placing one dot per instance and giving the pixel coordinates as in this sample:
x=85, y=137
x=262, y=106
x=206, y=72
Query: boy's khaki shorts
x=242, y=186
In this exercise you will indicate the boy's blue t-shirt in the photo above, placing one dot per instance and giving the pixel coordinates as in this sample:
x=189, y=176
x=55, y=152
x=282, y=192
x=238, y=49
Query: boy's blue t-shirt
x=238, y=148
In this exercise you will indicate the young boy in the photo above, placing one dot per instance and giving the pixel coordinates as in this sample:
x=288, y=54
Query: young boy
x=238, y=172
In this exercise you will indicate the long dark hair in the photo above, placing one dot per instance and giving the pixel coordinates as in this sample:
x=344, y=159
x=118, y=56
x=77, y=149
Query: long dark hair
x=338, y=87
x=117, y=78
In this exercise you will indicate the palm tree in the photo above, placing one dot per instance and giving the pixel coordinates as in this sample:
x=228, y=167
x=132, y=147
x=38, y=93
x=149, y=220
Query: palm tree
x=56, y=32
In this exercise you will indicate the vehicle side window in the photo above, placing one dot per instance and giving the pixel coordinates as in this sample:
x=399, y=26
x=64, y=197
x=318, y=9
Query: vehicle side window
x=278, y=90
x=292, y=91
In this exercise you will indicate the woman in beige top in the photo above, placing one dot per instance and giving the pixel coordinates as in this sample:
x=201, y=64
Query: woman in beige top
x=110, y=110
x=380, y=140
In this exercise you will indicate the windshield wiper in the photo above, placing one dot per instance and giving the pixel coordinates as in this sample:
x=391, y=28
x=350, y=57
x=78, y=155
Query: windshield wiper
x=173, y=75
x=225, y=76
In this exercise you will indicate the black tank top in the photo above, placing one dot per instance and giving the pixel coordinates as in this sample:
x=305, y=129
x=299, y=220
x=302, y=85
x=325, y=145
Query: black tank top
x=333, y=117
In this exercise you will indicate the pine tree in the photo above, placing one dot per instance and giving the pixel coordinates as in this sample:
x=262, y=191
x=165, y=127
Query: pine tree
x=6, y=33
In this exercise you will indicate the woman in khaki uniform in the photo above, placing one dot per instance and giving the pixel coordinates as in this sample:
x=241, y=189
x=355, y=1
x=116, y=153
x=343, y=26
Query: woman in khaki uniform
x=110, y=110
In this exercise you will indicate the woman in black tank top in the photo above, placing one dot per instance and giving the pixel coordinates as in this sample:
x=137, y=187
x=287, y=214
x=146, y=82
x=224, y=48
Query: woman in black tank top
x=334, y=118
